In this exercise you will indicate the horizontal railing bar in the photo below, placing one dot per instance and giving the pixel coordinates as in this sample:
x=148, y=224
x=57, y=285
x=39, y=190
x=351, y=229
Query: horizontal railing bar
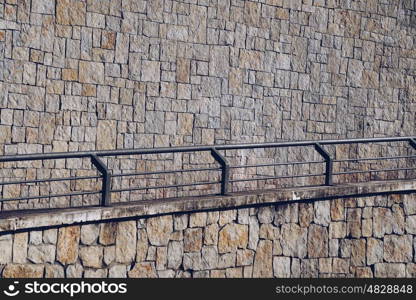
x=374, y=158
x=276, y=164
x=277, y=177
x=83, y=154
x=50, y=196
x=369, y=171
x=163, y=187
x=164, y=172
x=50, y=180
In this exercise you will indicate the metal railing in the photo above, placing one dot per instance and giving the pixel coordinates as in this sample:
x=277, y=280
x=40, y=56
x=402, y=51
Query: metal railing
x=225, y=182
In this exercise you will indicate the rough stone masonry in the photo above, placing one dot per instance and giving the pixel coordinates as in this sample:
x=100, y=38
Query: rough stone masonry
x=355, y=237
x=100, y=74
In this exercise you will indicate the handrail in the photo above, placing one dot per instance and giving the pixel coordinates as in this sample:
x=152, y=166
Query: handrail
x=160, y=150
x=215, y=151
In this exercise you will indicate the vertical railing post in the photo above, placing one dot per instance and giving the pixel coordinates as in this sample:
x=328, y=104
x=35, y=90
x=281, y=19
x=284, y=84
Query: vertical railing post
x=328, y=161
x=412, y=143
x=106, y=183
x=225, y=174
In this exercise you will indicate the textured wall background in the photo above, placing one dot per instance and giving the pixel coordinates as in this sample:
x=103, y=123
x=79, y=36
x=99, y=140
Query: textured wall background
x=356, y=237
x=100, y=74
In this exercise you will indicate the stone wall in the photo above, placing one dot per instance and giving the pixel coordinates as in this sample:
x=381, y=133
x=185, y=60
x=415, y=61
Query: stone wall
x=100, y=74
x=343, y=237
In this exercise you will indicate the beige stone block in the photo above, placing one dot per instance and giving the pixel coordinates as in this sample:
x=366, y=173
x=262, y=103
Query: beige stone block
x=219, y=61
x=294, y=240
x=234, y=273
x=211, y=234
x=363, y=272
x=193, y=240
x=23, y=271
x=70, y=12
x=175, y=254
x=358, y=252
x=198, y=24
x=69, y=74
x=340, y=265
x=250, y=59
x=185, y=123
x=108, y=40
x=398, y=248
x=337, y=210
x=20, y=247
x=6, y=247
x=143, y=270
x=89, y=90
x=235, y=81
x=159, y=230
x=268, y=232
x=106, y=134
x=263, y=263
x=126, y=241
x=231, y=237
x=41, y=253
x=109, y=255
x=54, y=271
x=317, y=241
x=252, y=13
x=150, y=71
x=245, y=257
x=325, y=265
x=89, y=233
x=389, y=270
x=91, y=256
x=142, y=245
x=91, y=72
x=108, y=233
x=67, y=246
x=183, y=69
x=337, y=230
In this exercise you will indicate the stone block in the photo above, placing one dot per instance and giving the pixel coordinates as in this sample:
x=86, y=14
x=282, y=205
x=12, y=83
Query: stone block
x=106, y=134
x=67, y=246
x=91, y=72
x=89, y=233
x=317, y=241
x=126, y=241
x=193, y=240
x=281, y=267
x=108, y=233
x=91, y=256
x=39, y=254
x=159, y=230
x=263, y=264
x=231, y=237
x=143, y=270
x=6, y=247
x=150, y=71
x=20, y=245
x=23, y=271
x=294, y=240
x=70, y=12
x=389, y=270
x=398, y=248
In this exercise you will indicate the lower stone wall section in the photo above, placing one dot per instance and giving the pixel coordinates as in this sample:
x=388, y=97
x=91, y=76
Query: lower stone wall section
x=356, y=237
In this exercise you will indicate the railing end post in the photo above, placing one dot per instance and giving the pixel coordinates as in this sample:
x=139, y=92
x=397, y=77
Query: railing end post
x=412, y=143
x=225, y=170
x=106, y=183
x=328, y=163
